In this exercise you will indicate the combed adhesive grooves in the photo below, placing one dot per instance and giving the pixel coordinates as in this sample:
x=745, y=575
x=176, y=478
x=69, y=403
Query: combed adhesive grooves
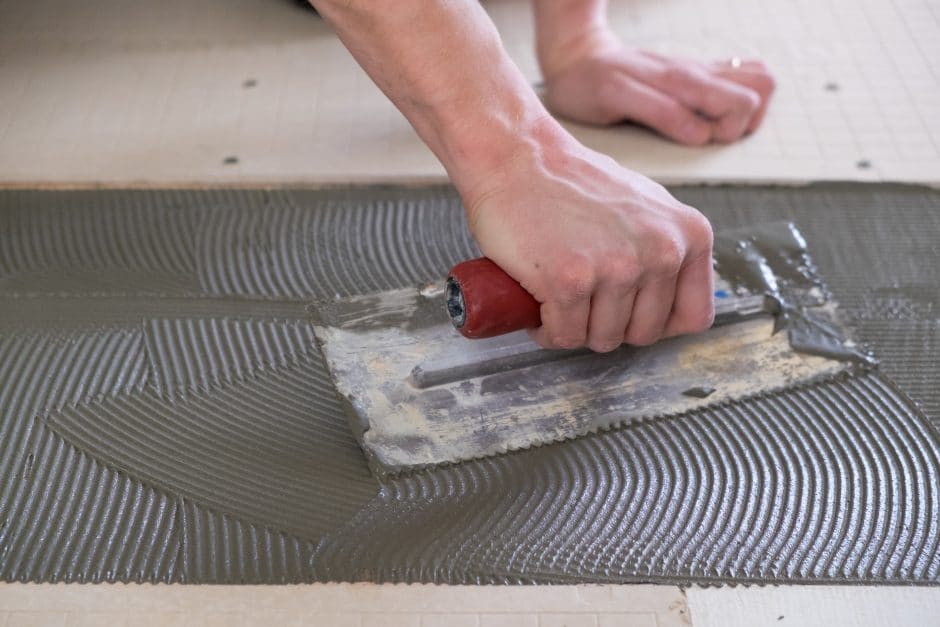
x=166, y=416
x=782, y=486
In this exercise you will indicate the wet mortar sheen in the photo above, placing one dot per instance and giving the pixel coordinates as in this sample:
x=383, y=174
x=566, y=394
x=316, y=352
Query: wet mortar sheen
x=165, y=414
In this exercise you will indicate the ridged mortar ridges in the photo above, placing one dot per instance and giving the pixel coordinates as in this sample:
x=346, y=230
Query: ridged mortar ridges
x=838, y=480
x=273, y=450
x=219, y=548
x=75, y=519
x=115, y=247
x=354, y=247
x=41, y=373
x=604, y=508
x=191, y=354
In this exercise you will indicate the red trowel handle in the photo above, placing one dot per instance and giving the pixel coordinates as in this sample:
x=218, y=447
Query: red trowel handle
x=484, y=301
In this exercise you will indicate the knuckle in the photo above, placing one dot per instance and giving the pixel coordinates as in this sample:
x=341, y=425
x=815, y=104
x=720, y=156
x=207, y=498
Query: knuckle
x=699, y=230
x=760, y=68
x=748, y=100
x=575, y=280
x=669, y=256
x=621, y=271
x=768, y=82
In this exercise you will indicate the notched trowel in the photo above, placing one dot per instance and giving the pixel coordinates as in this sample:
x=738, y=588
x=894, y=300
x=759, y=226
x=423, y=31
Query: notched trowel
x=419, y=394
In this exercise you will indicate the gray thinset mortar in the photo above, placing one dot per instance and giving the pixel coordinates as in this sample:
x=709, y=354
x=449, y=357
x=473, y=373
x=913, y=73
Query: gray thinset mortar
x=165, y=416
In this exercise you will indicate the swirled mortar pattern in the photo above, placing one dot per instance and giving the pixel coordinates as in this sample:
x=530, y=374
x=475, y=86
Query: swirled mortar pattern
x=165, y=415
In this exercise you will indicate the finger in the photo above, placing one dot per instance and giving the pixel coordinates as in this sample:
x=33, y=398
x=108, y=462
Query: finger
x=609, y=318
x=693, y=309
x=564, y=325
x=566, y=311
x=765, y=85
x=633, y=100
x=737, y=106
x=731, y=106
x=754, y=75
x=742, y=65
x=651, y=311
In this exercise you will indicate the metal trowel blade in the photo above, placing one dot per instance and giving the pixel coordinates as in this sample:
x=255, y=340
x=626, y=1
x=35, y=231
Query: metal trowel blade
x=418, y=394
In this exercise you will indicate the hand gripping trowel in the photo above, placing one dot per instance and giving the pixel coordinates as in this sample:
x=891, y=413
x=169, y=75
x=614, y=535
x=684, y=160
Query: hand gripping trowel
x=420, y=394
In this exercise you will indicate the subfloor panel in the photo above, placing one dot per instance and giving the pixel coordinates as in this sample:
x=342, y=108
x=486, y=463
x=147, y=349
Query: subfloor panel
x=262, y=92
x=348, y=605
x=166, y=415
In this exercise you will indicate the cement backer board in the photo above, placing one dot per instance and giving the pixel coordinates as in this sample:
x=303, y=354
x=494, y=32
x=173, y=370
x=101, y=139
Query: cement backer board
x=345, y=605
x=832, y=481
x=138, y=93
x=339, y=605
x=813, y=606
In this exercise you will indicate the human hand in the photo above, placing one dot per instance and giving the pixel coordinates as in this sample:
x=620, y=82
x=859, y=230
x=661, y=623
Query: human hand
x=595, y=80
x=611, y=256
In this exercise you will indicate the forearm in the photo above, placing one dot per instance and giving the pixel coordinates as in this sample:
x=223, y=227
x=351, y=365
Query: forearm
x=609, y=254
x=444, y=67
x=562, y=26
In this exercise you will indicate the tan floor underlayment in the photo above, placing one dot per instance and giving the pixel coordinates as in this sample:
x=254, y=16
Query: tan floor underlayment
x=164, y=92
x=365, y=605
x=152, y=93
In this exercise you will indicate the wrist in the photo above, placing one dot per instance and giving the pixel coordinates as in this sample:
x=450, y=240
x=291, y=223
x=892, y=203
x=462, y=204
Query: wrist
x=481, y=143
x=556, y=54
x=497, y=157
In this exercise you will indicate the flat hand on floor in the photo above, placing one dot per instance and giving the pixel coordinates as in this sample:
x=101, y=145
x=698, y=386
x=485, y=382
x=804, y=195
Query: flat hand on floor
x=595, y=80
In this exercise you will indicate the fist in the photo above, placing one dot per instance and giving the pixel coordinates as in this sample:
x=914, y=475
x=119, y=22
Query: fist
x=692, y=103
x=611, y=256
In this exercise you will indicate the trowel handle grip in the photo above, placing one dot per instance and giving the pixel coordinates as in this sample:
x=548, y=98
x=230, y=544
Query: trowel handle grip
x=484, y=301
